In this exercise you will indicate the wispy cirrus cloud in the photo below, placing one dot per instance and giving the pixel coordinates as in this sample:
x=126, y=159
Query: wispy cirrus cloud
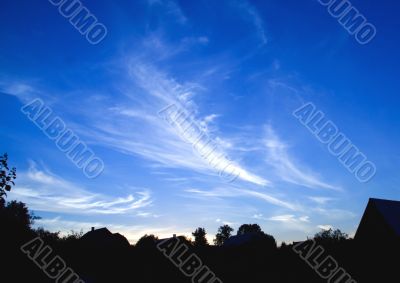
x=334, y=213
x=44, y=191
x=292, y=222
x=285, y=218
x=325, y=227
x=22, y=90
x=134, y=127
x=156, y=141
x=130, y=124
x=234, y=193
x=254, y=16
x=321, y=200
x=166, y=148
x=137, y=129
x=170, y=8
x=285, y=166
x=290, y=218
x=288, y=222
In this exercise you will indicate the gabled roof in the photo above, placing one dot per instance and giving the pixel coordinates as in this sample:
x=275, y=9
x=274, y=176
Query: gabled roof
x=103, y=236
x=98, y=234
x=390, y=210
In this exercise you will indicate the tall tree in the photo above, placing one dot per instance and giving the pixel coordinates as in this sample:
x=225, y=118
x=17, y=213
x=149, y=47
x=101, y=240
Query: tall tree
x=224, y=232
x=200, y=239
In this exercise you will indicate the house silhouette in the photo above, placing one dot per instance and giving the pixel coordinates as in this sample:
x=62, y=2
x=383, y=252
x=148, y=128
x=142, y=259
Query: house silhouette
x=380, y=222
x=104, y=238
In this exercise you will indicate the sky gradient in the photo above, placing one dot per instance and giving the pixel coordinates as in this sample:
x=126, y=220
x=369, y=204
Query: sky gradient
x=240, y=69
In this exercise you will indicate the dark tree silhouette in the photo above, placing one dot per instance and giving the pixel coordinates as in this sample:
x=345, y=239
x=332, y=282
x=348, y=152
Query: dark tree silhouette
x=14, y=214
x=184, y=239
x=147, y=241
x=74, y=235
x=269, y=240
x=7, y=177
x=249, y=228
x=224, y=232
x=47, y=236
x=200, y=239
x=331, y=236
x=251, y=256
x=259, y=237
x=18, y=213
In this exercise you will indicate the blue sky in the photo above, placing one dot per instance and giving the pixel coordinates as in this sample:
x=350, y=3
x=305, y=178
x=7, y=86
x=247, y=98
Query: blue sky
x=241, y=68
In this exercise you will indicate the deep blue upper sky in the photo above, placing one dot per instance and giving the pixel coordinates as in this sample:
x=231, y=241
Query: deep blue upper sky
x=241, y=68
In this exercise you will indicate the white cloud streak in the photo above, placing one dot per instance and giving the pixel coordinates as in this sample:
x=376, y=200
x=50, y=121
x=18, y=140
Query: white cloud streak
x=138, y=130
x=233, y=192
x=255, y=18
x=320, y=200
x=325, y=227
x=286, y=168
x=45, y=191
x=171, y=8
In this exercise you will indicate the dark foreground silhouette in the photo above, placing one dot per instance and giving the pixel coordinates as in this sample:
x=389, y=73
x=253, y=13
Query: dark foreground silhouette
x=250, y=256
x=100, y=256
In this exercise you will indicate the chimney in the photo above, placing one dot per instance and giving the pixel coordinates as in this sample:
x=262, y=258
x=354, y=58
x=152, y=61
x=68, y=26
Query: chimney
x=92, y=229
